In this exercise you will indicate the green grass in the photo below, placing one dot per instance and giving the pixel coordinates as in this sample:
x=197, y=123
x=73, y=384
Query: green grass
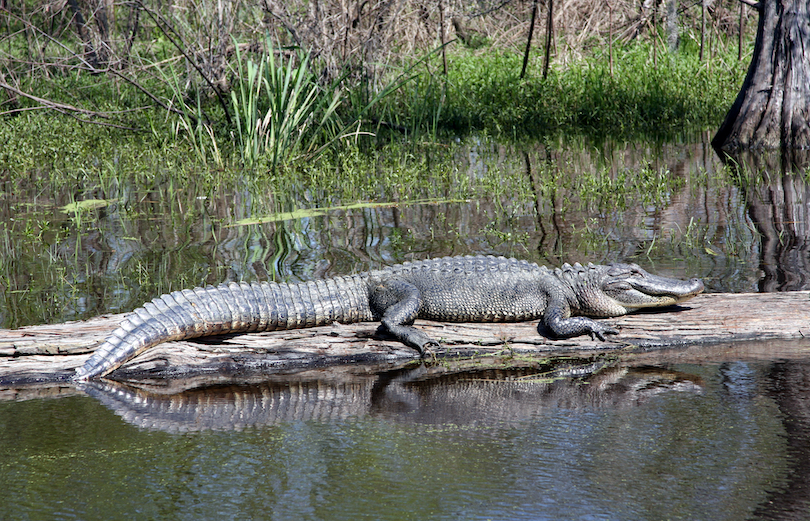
x=282, y=116
x=483, y=92
x=280, y=109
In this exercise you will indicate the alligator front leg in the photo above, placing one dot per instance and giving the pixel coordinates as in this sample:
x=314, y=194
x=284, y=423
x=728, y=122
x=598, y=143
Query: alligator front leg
x=558, y=318
x=398, y=303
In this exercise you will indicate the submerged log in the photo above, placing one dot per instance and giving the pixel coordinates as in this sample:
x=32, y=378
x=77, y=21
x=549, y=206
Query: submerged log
x=52, y=352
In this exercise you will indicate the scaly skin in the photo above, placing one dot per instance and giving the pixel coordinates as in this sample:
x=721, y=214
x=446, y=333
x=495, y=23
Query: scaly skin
x=452, y=289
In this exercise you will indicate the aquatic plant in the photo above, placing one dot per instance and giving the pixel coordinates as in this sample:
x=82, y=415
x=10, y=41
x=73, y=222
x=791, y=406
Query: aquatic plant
x=192, y=123
x=279, y=107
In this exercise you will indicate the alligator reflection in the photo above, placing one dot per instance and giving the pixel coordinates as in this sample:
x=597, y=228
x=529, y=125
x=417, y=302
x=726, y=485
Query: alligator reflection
x=424, y=395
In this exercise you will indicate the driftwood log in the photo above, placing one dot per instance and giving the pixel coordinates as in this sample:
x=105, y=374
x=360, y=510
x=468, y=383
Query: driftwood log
x=52, y=352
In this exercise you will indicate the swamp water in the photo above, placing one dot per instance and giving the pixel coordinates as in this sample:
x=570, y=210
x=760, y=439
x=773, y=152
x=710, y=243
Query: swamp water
x=718, y=432
x=658, y=436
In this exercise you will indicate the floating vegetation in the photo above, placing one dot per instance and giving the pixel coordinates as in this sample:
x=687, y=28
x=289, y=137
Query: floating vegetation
x=315, y=212
x=85, y=205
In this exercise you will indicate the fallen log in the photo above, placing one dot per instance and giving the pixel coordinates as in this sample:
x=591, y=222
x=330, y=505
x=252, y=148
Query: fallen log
x=52, y=352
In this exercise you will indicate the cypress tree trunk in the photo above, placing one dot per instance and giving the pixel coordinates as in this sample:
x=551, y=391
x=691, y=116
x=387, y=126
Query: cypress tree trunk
x=772, y=109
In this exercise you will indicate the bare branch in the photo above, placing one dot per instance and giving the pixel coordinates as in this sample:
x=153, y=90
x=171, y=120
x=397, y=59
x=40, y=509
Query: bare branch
x=55, y=105
x=151, y=96
x=63, y=108
x=170, y=33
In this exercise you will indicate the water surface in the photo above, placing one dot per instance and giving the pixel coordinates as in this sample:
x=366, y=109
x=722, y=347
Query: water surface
x=672, y=208
x=698, y=433
x=652, y=436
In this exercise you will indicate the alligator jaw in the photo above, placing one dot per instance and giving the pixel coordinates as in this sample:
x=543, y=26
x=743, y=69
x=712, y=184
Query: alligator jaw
x=633, y=288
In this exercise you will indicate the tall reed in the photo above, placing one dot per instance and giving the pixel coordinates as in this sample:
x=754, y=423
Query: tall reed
x=280, y=109
x=192, y=122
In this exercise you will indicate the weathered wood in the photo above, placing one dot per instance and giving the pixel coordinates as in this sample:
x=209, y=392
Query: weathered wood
x=52, y=352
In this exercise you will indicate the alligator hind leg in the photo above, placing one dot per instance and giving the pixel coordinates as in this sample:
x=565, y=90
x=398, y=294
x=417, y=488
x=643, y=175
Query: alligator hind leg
x=397, y=303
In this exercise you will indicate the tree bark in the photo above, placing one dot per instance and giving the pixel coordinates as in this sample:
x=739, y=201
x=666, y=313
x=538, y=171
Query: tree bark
x=673, y=32
x=549, y=37
x=84, y=34
x=772, y=110
x=529, y=40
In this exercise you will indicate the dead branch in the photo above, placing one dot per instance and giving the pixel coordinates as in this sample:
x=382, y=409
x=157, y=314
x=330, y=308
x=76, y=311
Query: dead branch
x=755, y=5
x=169, y=31
x=55, y=105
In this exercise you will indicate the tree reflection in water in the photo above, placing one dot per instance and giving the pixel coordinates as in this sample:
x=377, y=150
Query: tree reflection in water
x=789, y=387
x=778, y=203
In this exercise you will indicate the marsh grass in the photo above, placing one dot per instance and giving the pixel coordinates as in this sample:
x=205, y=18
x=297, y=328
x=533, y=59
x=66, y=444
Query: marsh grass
x=280, y=109
x=284, y=114
x=300, y=86
x=193, y=125
x=427, y=94
x=643, y=187
x=639, y=99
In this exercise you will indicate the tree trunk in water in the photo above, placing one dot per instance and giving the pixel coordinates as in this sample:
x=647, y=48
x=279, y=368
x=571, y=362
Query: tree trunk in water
x=772, y=109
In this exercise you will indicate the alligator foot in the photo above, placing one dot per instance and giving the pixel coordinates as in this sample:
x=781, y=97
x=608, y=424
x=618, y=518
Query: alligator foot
x=410, y=336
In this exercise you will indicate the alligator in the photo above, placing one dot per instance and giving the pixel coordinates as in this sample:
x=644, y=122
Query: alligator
x=435, y=396
x=449, y=289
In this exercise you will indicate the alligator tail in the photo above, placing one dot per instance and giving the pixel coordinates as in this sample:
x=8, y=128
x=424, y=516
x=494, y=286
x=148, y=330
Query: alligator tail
x=229, y=308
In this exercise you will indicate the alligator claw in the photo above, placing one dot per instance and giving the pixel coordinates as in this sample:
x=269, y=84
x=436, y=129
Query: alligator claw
x=428, y=347
x=601, y=332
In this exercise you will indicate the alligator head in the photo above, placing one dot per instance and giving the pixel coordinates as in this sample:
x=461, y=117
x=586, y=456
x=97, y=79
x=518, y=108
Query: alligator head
x=617, y=289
